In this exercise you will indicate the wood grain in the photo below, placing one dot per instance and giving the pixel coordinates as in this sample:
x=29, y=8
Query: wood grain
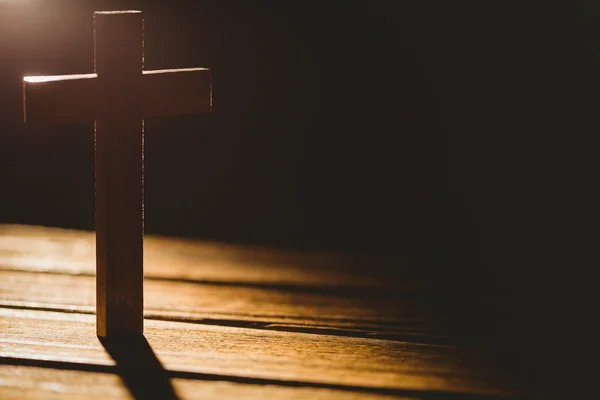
x=231, y=305
x=45, y=249
x=52, y=384
x=250, y=353
x=215, y=329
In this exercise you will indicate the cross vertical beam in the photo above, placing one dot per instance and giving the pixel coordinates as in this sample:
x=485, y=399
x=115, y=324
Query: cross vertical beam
x=117, y=96
x=118, y=137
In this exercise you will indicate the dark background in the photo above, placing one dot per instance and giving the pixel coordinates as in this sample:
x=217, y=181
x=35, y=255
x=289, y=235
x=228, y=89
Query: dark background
x=449, y=133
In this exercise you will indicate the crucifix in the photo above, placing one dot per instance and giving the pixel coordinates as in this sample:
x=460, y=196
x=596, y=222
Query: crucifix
x=118, y=96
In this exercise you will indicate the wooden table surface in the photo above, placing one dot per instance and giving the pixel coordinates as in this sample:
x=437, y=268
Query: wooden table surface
x=222, y=321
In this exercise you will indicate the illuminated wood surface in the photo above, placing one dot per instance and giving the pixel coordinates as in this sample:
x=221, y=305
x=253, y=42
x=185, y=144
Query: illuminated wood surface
x=221, y=321
x=117, y=96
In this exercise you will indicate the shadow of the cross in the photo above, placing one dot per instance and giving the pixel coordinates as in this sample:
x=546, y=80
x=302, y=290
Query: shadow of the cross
x=139, y=368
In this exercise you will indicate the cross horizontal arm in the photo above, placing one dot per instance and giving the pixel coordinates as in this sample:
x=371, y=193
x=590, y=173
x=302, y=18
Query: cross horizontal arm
x=177, y=92
x=73, y=98
x=59, y=98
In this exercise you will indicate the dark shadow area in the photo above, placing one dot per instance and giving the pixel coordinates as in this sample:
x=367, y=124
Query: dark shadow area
x=318, y=330
x=139, y=368
x=412, y=393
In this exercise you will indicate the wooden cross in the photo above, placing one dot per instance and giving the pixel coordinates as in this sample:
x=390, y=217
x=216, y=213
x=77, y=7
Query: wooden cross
x=117, y=96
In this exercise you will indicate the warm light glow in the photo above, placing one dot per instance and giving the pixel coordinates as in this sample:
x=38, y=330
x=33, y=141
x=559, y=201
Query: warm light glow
x=166, y=71
x=118, y=12
x=52, y=78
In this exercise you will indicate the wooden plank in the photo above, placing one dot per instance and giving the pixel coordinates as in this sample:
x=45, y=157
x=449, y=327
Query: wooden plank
x=230, y=315
x=177, y=91
x=23, y=382
x=30, y=382
x=213, y=283
x=44, y=249
x=260, y=308
x=356, y=363
x=59, y=98
x=118, y=138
